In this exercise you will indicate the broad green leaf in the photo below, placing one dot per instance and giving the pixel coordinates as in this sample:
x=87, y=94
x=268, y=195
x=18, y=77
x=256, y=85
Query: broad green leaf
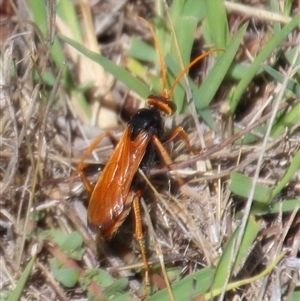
x=66, y=276
x=72, y=242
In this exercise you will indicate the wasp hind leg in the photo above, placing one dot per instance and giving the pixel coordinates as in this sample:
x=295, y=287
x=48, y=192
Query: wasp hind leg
x=140, y=239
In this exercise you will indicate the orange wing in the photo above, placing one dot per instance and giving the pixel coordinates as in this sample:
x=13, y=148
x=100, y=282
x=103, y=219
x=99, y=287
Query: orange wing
x=111, y=199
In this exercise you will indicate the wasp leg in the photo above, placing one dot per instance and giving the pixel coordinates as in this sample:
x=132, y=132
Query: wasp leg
x=180, y=131
x=81, y=165
x=165, y=156
x=140, y=237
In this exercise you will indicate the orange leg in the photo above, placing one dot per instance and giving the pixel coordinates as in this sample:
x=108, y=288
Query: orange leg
x=81, y=165
x=165, y=156
x=139, y=237
x=179, y=131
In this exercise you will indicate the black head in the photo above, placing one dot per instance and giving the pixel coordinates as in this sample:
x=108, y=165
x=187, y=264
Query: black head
x=148, y=120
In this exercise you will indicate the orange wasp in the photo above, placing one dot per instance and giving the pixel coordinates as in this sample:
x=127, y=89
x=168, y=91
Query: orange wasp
x=114, y=193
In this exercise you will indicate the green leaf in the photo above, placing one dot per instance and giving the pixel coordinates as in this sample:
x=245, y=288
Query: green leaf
x=292, y=85
x=16, y=293
x=294, y=166
x=122, y=297
x=66, y=11
x=103, y=278
x=72, y=242
x=188, y=8
x=261, y=57
x=187, y=288
x=290, y=54
x=117, y=286
x=182, y=26
x=118, y=72
x=287, y=120
x=204, y=95
x=274, y=5
x=223, y=268
x=57, y=236
x=140, y=50
x=296, y=294
x=72, y=246
x=217, y=28
x=66, y=276
x=237, y=70
x=38, y=9
x=275, y=208
x=241, y=185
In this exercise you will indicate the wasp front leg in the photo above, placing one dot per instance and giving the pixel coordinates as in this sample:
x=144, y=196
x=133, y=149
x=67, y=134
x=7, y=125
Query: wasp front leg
x=179, y=131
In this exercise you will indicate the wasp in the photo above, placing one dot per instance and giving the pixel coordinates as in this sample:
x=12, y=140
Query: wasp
x=115, y=194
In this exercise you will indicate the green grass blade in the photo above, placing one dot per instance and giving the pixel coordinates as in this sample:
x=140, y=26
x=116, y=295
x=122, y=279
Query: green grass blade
x=292, y=85
x=223, y=268
x=140, y=50
x=276, y=208
x=188, y=8
x=118, y=72
x=288, y=5
x=238, y=70
x=274, y=5
x=261, y=57
x=288, y=120
x=185, y=41
x=295, y=165
x=16, y=294
x=241, y=185
x=39, y=13
x=240, y=283
x=67, y=12
x=217, y=23
x=204, y=95
x=188, y=287
x=290, y=54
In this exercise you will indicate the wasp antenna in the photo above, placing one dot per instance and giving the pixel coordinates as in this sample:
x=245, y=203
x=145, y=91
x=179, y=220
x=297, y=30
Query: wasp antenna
x=186, y=68
x=160, y=54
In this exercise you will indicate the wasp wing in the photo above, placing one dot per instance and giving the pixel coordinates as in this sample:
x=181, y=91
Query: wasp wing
x=111, y=199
